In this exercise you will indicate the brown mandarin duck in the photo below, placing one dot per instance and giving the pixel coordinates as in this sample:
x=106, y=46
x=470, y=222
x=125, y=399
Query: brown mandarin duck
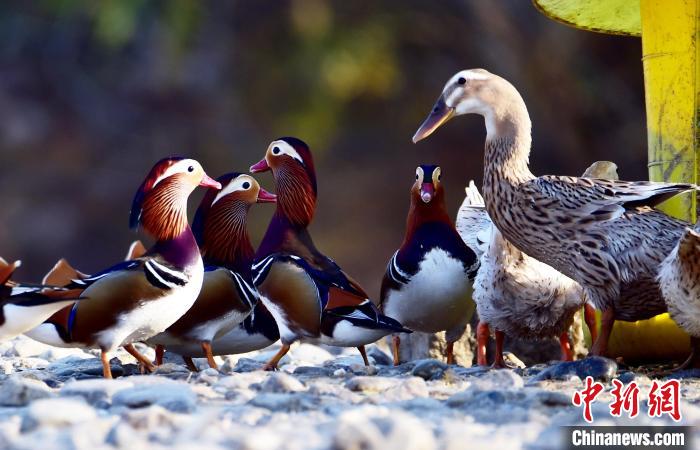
x=428, y=281
x=137, y=299
x=228, y=295
x=604, y=234
x=24, y=306
x=310, y=297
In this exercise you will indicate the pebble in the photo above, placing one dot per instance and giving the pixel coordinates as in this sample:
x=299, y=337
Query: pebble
x=20, y=391
x=97, y=392
x=330, y=400
x=176, y=397
x=595, y=366
x=281, y=382
x=57, y=412
x=369, y=384
x=429, y=369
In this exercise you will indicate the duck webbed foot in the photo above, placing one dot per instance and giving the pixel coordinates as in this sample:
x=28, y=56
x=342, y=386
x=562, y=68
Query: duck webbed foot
x=272, y=363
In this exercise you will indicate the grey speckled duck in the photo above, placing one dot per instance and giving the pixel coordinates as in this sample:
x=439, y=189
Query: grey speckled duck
x=519, y=296
x=680, y=284
x=604, y=234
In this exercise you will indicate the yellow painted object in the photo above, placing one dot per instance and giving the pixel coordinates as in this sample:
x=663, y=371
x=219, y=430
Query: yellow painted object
x=669, y=31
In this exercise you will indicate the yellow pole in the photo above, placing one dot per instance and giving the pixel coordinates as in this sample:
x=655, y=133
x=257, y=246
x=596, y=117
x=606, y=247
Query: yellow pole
x=670, y=58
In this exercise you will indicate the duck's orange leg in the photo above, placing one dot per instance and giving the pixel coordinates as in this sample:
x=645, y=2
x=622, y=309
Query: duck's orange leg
x=450, y=352
x=396, y=341
x=589, y=317
x=272, y=363
x=160, y=351
x=363, y=352
x=498, y=362
x=482, y=340
x=148, y=365
x=600, y=347
x=567, y=353
x=206, y=346
x=106, y=368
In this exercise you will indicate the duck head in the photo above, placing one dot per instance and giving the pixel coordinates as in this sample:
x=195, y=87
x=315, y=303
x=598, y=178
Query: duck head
x=292, y=165
x=160, y=204
x=427, y=187
x=473, y=91
x=219, y=224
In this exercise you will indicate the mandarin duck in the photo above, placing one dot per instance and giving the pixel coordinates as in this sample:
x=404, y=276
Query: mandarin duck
x=227, y=296
x=604, y=234
x=428, y=281
x=23, y=306
x=307, y=293
x=137, y=299
x=257, y=331
x=520, y=296
x=679, y=277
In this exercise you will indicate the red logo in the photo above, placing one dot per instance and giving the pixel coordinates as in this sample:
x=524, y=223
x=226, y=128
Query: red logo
x=587, y=396
x=663, y=399
x=624, y=399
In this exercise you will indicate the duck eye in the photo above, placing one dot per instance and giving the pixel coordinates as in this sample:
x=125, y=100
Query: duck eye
x=190, y=169
x=461, y=80
x=246, y=185
x=275, y=150
x=416, y=176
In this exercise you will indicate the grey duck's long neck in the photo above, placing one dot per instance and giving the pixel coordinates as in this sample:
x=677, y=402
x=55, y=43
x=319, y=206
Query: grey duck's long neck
x=506, y=159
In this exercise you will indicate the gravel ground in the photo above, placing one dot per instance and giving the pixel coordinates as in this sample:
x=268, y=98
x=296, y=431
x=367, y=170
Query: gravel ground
x=320, y=398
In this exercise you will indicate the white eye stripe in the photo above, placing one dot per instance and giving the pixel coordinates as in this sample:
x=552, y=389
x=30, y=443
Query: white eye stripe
x=467, y=75
x=178, y=167
x=235, y=185
x=286, y=149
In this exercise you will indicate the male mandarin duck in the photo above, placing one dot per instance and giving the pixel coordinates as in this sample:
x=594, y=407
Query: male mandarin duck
x=310, y=297
x=428, y=282
x=24, y=306
x=679, y=277
x=257, y=331
x=519, y=296
x=604, y=234
x=228, y=295
x=137, y=299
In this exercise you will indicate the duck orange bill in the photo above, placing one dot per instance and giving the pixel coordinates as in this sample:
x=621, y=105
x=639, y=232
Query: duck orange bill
x=427, y=192
x=260, y=166
x=266, y=197
x=440, y=114
x=208, y=181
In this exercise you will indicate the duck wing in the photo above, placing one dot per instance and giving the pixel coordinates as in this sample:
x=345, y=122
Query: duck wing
x=473, y=222
x=572, y=200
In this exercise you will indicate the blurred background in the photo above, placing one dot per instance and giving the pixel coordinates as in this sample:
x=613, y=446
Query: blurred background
x=93, y=93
